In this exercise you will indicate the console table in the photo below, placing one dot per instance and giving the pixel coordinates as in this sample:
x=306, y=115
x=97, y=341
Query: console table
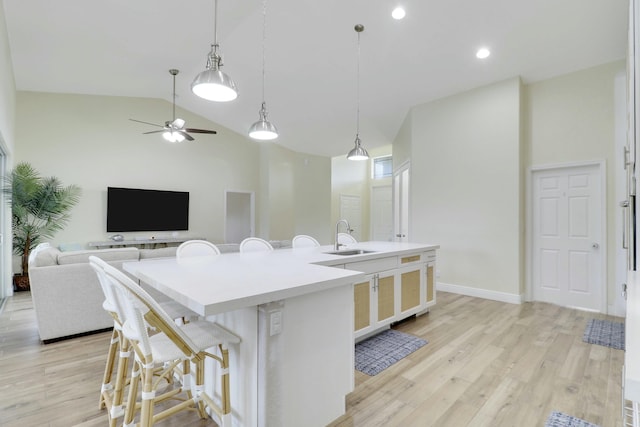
x=153, y=243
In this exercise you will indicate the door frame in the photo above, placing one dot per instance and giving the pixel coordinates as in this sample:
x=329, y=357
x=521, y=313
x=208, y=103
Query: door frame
x=397, y=200
x=252, y=213
x=602, y=169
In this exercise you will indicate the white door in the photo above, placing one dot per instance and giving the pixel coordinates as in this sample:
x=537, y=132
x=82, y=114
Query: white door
x=382, y=213
x=239, y=216
x=568, y=254
x=401, y=203
x=351, y=210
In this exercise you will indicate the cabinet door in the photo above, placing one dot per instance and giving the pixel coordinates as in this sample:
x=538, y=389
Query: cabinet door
x=431, y=283
x=362, y=299
x=411, y=289
x=384, y=287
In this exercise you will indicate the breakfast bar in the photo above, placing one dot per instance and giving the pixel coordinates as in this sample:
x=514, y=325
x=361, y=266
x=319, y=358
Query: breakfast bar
x=294, y=311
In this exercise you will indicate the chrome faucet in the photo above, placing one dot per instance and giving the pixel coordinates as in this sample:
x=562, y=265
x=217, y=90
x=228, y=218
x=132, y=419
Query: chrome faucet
x=345, y=222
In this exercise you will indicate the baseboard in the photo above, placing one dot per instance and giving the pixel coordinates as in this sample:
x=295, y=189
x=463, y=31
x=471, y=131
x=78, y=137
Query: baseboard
x=480, y=293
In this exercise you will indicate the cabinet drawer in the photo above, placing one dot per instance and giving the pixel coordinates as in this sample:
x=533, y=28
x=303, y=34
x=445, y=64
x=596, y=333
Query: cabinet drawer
x=374, y=265
x=407, y=259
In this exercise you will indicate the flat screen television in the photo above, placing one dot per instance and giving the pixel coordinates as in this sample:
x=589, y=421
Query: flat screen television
x=133, y=209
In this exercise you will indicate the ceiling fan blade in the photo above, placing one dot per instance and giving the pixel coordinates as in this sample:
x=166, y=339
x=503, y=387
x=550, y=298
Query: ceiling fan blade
x=186, y=135
x=213, y=132
x=154, y=131
x=147, y=123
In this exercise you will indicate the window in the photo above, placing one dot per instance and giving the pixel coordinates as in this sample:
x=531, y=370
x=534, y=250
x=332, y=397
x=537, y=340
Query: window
x=382, y=167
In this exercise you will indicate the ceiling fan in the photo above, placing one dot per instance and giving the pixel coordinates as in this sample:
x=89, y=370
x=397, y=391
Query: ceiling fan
x=174, y=131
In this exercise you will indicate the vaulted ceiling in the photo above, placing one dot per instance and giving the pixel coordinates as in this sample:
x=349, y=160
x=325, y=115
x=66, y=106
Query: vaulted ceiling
x=125, y=48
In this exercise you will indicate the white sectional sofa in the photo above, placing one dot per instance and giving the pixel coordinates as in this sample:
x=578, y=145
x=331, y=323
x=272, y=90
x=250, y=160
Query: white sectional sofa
x=66, y=294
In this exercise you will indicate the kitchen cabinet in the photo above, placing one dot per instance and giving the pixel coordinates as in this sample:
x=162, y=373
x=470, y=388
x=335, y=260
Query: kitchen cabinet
x=394, y=288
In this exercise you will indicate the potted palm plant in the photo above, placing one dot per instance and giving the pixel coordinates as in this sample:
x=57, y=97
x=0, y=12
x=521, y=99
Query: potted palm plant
x=40, y=207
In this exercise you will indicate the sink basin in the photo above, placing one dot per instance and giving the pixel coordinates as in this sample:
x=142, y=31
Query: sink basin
x=350, y=252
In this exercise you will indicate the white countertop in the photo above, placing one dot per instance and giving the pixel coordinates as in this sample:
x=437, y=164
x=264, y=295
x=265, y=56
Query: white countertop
x=235, y=280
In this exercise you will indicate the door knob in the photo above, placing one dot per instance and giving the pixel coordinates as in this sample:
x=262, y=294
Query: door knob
x=595, y=246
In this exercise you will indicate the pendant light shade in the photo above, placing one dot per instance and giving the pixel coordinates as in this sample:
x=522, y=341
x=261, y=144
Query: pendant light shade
x=212, y=84
x=263, y=129
x=358, y=152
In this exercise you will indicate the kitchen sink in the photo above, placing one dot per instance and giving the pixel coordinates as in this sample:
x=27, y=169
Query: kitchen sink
x=350, y=252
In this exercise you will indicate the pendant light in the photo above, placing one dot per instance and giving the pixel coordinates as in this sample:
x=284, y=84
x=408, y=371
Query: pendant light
x=263, y=129
x=212, y=84
x=358, y=152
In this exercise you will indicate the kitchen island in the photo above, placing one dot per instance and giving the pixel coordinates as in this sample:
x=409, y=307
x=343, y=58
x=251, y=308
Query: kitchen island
x=294, y=310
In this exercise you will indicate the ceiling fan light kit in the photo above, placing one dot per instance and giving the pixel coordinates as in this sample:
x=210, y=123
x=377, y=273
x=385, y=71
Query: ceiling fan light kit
x=212, y=84
x=358, y=152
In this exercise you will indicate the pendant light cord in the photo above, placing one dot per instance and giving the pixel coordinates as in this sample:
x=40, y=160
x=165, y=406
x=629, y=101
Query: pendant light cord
x=358, y=87
x=264, y=38
x=215, y=23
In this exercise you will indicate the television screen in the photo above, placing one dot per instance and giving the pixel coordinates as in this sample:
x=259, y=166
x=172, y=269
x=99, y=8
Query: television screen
x=131, y=209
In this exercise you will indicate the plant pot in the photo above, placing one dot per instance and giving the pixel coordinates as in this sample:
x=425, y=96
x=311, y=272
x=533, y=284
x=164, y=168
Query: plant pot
x=21, y=282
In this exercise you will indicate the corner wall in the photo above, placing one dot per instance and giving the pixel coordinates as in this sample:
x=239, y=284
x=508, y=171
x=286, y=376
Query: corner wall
x=466, y=187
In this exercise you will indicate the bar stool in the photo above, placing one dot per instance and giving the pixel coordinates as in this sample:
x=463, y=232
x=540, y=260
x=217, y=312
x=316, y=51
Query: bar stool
x=304, y=241
x=255, y=244
x=171, y=347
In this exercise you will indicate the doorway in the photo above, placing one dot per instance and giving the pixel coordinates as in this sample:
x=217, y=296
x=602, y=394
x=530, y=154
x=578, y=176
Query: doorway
x=382, y=213
x=351, y=210
x=401, y=203
x=568, y=236
x=239, y=216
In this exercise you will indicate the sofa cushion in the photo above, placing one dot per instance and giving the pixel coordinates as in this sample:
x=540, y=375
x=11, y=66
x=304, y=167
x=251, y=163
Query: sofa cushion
x=115, y=254
x=169, y=252
x=46, y=257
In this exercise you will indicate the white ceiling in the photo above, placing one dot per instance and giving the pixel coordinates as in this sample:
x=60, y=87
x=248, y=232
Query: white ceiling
x=126, y=47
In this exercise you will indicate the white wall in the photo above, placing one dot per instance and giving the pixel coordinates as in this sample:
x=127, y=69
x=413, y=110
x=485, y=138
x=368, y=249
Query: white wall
x=89, y=141
x=298, y=190
x=471, y=154
x=466, y=186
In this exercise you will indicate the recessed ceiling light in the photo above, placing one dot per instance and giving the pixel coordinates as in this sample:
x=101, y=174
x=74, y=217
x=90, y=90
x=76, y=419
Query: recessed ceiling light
x=398, y=13
x=483, y=53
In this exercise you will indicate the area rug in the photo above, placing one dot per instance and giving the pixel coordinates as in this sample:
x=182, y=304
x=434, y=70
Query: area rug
x=382, y=350
x=604, y=332
x=559, y=419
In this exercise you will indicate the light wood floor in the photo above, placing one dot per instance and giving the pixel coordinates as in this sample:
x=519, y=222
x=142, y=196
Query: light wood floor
x=486, y=364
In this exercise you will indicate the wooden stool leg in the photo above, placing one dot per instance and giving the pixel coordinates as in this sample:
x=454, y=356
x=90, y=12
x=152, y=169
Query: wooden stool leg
x=108, y=369
x=226, y=400
x=117, y=409
x=148, y=393
x=130, y=412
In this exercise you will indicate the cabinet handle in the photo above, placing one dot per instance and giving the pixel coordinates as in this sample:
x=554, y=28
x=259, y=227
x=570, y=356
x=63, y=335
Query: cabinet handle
x=624, y=205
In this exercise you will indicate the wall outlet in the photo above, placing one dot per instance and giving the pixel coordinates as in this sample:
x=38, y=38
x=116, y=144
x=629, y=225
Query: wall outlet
x=275, y=323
